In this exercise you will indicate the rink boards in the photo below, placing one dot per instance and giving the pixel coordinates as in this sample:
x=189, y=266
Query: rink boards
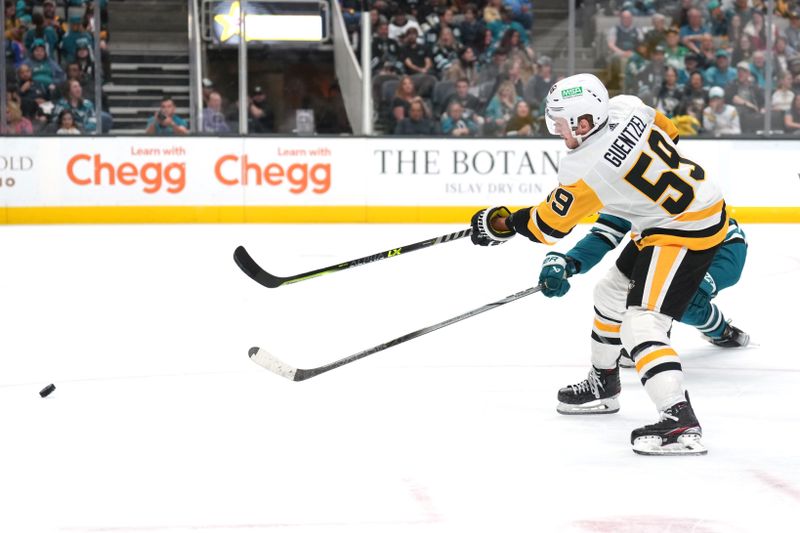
x=335, y=179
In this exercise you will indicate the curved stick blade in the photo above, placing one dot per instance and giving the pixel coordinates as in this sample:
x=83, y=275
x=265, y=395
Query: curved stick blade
x=270, y=362
x=255, y=272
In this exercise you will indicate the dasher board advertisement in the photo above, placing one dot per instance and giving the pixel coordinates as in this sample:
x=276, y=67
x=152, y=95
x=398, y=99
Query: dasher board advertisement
x=323, y=179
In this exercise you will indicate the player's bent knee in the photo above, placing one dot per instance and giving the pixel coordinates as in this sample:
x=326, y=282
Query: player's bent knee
x=610, y=293
x=641, y=325
x=698, y=310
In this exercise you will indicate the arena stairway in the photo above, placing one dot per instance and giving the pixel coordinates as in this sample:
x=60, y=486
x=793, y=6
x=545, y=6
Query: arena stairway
x=550, y=31
x=149, y=47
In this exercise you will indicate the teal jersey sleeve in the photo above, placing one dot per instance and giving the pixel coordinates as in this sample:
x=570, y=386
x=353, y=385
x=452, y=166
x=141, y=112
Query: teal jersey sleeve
x=606, y=234
x=726, y=269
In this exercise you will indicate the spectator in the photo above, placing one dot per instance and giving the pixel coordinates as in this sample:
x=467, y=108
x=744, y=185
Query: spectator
x=51, y=19
x=521, y=122
x=743, y=51
x=623, y=40
x=720, y=118
x=693, y=32
x=521, y=12
x=758, y=68
x=400, y=25
x=718, y=21
x=470, y=104
x=670, y=94
x=165, y=121
x=793, y=31
x=674, y=51
x=491, y=12
x=690, y=66
x=16, y=123
x=681, y=15
x=472, y=28
x=741, y=9
x=512, y=72
x=541, y=82
x=505, y=23
x=66, y=124
x=650, y=78
x=41, y=31
x=82, y=109
x=721, y=73
x=403, y=96
x=748, y=99
x=69, y=43
x=782, y=53
x=791, y=121
x=501, y=107
x=634, y=67
x=260, y=118
x=31, y=93
x=445, y=51
x=695, y=96
x=455, y=124
x=489, y=72
x=384, y=50
x=707, y=50
x=757, y=30
x=83, y=57
x=417, y=123
x=415, y=57
x=512, y=41
x=466, y=67
x=44, y=70
x=658, y=33
x=11, y=21
x=15, y=56
x=213, y=119
x=735, y=29
x=783, y=96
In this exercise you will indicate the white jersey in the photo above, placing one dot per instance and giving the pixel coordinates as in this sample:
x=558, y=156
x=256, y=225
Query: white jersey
x=632, y=169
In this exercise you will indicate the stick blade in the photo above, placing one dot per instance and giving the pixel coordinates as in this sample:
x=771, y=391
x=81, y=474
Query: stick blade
x=265, y=359
x=255, y=272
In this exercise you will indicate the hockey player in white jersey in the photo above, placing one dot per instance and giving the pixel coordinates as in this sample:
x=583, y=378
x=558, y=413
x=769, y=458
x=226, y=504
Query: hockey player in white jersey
x=623, y=158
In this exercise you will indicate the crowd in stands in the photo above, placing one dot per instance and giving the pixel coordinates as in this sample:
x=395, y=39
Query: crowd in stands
x=449, y=67
x=703, y=63
x=50, y=67
x=455, y=68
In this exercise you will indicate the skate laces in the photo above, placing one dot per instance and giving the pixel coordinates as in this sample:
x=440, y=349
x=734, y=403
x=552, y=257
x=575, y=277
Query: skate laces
x=592, y=382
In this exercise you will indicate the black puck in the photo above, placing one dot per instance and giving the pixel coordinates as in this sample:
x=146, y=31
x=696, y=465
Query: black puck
x=47, y=390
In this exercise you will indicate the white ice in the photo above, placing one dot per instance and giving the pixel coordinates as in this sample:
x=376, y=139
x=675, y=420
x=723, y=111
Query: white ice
x=161, y=423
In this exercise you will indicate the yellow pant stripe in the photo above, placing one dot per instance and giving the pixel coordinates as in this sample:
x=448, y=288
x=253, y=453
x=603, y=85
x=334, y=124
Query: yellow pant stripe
x=644, y=361
x=666, y=258
x=606, y=327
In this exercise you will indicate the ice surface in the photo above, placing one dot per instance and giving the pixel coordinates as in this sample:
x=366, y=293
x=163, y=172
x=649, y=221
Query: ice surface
x=161, y=423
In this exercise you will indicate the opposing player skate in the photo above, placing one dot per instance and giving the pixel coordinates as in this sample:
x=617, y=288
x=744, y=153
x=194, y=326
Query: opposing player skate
x=677, y=433
x=595, y=395
x=732, y=337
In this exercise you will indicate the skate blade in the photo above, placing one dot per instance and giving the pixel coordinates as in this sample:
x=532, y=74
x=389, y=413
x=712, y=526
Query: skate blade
x=608, y=406
x=686, y=445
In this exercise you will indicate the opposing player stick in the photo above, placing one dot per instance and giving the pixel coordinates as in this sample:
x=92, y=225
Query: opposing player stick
x=258, y=274
x=273, y=364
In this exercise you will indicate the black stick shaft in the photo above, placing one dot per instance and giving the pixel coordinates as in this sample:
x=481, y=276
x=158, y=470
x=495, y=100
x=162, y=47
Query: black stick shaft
x=261, y=276
x=303, y=374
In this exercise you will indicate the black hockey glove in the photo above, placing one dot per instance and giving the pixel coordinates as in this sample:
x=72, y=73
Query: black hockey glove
x=483, y=234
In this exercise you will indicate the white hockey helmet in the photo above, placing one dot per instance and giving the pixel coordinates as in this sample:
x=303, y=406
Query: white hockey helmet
x=574, y=97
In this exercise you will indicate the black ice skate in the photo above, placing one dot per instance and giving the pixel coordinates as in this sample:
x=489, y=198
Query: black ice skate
x=677, y=433
x=732, y=337
x=595, y=395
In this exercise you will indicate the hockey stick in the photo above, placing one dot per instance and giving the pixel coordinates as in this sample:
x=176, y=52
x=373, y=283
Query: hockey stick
x=273, y=364
x=258, y=274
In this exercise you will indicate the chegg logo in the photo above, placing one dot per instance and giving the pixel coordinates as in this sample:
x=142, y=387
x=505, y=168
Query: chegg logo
x=85, y=169
x=235, y=170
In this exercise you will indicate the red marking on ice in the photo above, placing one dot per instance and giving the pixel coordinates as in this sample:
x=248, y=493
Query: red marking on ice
x=778, y=484
x=422, y=497
x=651, y=524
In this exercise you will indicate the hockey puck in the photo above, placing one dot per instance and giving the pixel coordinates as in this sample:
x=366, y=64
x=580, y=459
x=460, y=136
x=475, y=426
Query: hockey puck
x=47, y=390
